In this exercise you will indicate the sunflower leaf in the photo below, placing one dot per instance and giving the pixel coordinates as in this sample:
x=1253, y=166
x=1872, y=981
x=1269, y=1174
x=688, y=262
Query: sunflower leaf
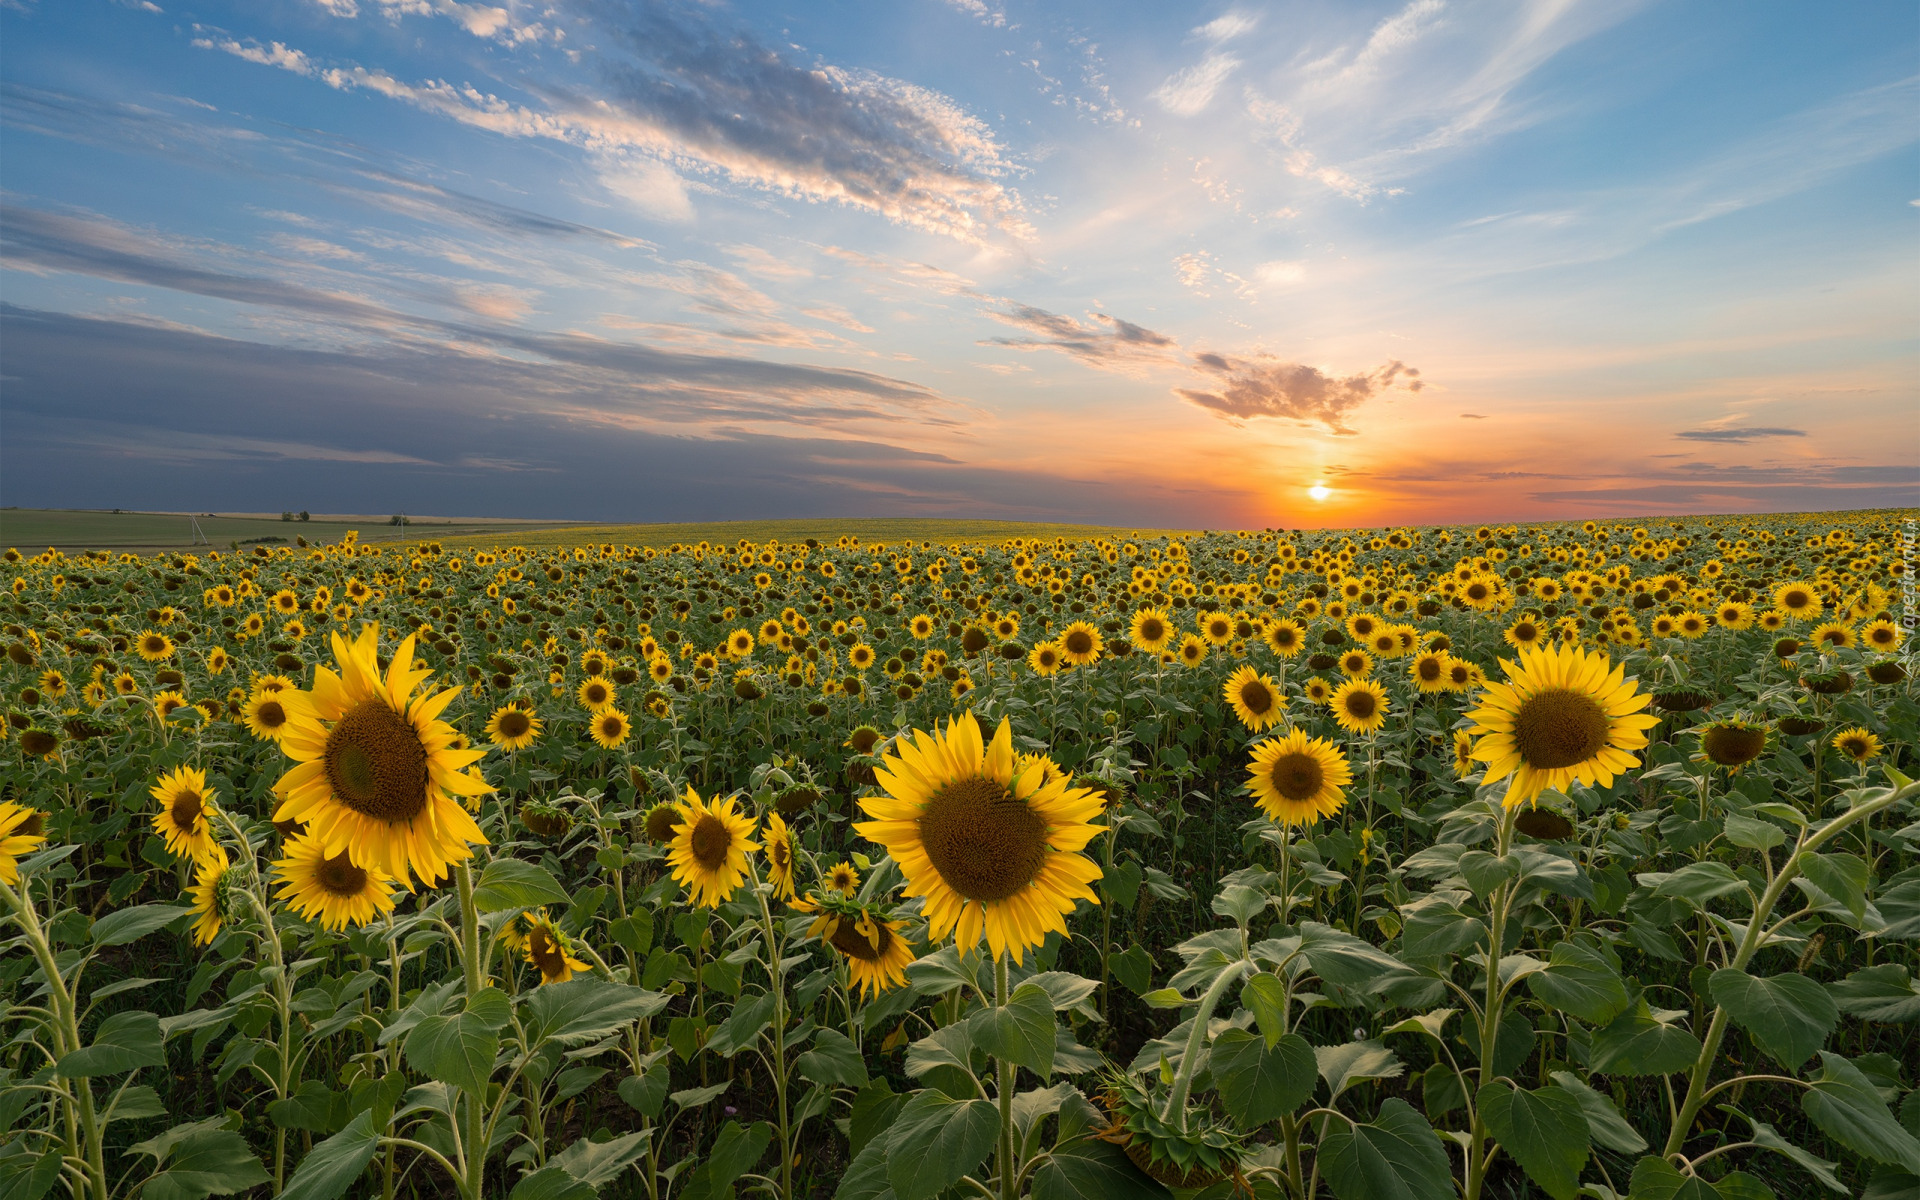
x=509, y=883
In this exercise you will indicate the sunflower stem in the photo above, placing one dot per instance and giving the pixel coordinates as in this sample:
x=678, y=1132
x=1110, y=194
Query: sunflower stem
x=1176, y=1110
x=1003, y=1071
x=475, y=1146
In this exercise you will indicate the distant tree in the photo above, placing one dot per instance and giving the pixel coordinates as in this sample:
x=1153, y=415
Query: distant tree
x=286, y=514
x=398, y=519
x=305, y=515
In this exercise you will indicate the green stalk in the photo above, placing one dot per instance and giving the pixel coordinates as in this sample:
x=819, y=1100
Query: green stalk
x=476, y=1137
x=1750, y=944
x=1176, y=1110
x=1490, y=1012
x=1003, y=1071
x=82, y=1122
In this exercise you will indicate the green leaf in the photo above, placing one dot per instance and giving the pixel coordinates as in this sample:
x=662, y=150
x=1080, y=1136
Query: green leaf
x=25, y=1175
x=1841, y=876
x=124, y=1041
x=599, y=1163
x=138, y=1103
x=732, y=1155
x=1658, y=1179
x=872, y=1114
x=1266, y=998
x=1879, y=993
x=739, y=1031
x=1090, y=1169
x=314, y=1107
x=866, y=1177
x=1021, y=1032
x=633, y=933
x=1768, y=1138
x=647, y=1092
x=204, y=1162
x=585, y=1009
x=551, y=1183
x=936, y=1139
x=942, y=971
x=1396, y=1157
x=1700, y=882
x=1485, y=872
x=695, y=1097
x=1134, y=969
x=1753, y=833
x=332, y=1166
x=1239, y=902
x=1068, y=991
x=1637, y=1044
x=1438, y=930
x=1789, y=1016
x=457, y=1050
x=1544, y=1131
x=1342, y=959
x=833, y=1059
x=509, y=883
x=1580, y=980
x=1260, y=1084
x=1345, y=1065
x=1604, y=1121
x=1847, y=1107
x=125, y=925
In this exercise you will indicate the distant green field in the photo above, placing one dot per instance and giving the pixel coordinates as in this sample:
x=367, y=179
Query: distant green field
x=32, y=530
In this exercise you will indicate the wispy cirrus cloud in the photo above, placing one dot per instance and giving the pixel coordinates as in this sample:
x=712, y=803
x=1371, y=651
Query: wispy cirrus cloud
x=1105, y=341
x=674, y=88
x=1739, y=434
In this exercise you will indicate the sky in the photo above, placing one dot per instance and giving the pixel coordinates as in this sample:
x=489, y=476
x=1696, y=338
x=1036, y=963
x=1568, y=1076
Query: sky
x=1301, y=264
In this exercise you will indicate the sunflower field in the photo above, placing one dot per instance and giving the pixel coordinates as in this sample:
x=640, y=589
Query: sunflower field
x=1549, y=860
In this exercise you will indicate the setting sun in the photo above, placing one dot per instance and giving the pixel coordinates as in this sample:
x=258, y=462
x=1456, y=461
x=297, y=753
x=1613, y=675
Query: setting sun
x=1319, y=491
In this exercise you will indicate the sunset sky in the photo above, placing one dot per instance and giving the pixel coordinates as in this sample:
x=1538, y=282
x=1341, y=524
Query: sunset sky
x=1137, y=264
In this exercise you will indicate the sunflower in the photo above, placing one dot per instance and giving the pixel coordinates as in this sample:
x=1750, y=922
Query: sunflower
x=1286, y=637
x=1296, y=780
x=1428, y=670
x=1045, y=658
x=610, y=728
x=1359, y=706
x=217, y=660
x=22, y=831
x=1798, y=600
x=549, y=950
x=1882, y=635
x=153, y=646
x=860, y=656
x=1255, y=698
x=1193, y=650
x=921, y=626
x=1318, y=690
x=1151, y=630
x=1560, y=716
x=709, y=849
x=662, y=821
x=378, y=777
x=124, y=684
x=1524, y=632
x=876, y=954
x=1857, y=743
x=739, y=644
x=595, y=694
x=779, y=845
x=182, y=819
x=1080, y=644
x=992, y=849
x=211, y=896
x=268, y=713
x=331, y=888
x=1356, y=664
x=1832, y=635
x=1463, y=675
x=1463, y=764
x=1732, y=743
x=1217, y=628
x=1734, y=614
x=513, y=726
x=843, y=878
x=53, y=683
x=1772, y=620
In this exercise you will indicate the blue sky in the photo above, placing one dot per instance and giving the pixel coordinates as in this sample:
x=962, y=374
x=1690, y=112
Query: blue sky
x=1139, y=264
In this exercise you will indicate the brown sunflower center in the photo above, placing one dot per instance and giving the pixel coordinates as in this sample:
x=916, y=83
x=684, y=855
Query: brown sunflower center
x=1297, y=776
x=854, y=944
x=1732, y=745
x=1257, y=696
x=1079, y=642
x=514, y=723
x=1429, y=669
x=711, y=842
x=1360, y=705
x=985, y=843
x=376, y=764
x=662, y=822
x=546, y=955
x=610, y=726
x=271, y=714
x=1559, y=727
x=780, y=853
x=1151, y=630
x=339, y=876
x=596, y=693
x=185, y=810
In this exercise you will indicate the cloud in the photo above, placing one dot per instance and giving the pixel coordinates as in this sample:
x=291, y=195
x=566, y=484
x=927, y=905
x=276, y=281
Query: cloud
x=1738, y=435
x=653, y=188
x=703, y=99
x=1107, y=341
x=1265, y=386
x=1187, y=93
x=1473, y=416
x=981, y=11
x=1227, y=26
